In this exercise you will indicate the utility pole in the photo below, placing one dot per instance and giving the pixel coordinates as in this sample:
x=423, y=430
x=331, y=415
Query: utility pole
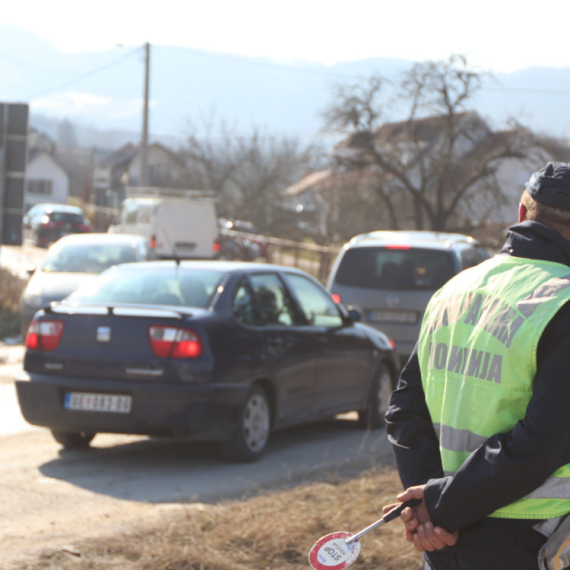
x=144, y=142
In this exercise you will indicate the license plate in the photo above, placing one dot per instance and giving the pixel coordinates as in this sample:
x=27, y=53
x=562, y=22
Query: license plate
x=97, y=402
x=389, y=316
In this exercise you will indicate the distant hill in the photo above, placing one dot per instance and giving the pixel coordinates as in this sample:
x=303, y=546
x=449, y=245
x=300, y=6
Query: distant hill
x=188, y=84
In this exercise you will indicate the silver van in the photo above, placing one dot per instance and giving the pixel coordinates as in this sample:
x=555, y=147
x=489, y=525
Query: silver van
x=391, y=275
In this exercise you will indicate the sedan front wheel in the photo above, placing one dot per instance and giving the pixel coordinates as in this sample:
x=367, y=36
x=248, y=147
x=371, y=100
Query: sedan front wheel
x=250, y=439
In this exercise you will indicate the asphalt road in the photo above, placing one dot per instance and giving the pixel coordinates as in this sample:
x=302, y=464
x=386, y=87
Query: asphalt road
x=52, y=498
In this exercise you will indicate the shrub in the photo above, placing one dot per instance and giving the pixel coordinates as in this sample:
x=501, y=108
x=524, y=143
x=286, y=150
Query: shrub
x=11, y=288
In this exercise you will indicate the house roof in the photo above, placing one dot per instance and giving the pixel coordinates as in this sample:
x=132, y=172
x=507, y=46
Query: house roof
x=424, y=129
x=307, y=182
x=124, y=155
x=119, y=157
x=36, y=152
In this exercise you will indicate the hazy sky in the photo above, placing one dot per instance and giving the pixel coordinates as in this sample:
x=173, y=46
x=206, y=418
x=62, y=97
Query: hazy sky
x=497, y=35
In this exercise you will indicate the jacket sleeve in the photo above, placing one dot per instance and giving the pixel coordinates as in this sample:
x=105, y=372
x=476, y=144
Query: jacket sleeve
x=410, y=429
x=509, y=466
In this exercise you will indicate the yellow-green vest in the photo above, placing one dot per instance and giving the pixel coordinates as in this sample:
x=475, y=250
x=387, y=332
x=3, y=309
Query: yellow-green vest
x=477, y=355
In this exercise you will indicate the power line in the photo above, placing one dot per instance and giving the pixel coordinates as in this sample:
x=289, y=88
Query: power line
x=258, y=63
x=85, y=75
x=16, y=61
x=528, y=90
x=291, y=68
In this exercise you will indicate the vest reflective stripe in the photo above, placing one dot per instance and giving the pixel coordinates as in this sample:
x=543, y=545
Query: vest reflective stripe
x=550, y=289
x=458, y=439
x=477, y=355
x=552, y=488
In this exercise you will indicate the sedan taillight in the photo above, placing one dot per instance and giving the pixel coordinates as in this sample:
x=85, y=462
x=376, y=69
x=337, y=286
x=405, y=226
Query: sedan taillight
x=44, y=335
x=174, y=342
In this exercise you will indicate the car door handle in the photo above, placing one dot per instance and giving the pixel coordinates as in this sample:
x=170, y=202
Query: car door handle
x=322, y=339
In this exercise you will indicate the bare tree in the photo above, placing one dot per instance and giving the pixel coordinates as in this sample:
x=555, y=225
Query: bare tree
x=440, y=158
x=213, y=153
x=246, y=170
x=271, y=163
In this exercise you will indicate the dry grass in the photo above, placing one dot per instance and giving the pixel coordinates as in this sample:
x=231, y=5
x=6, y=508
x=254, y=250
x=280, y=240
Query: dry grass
x=11, y=288
x=269, y=532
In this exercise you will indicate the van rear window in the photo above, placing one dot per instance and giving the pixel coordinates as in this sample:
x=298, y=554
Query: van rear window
x=395, y=269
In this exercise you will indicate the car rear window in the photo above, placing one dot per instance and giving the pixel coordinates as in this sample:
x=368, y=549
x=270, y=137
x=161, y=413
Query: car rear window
x=66, y=217
x=395, y=269
x=173, y=287
x=87, y=258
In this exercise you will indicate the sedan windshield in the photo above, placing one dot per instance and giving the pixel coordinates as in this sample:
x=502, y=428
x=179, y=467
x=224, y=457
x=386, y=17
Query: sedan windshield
x=193, y=288
x=87, y=259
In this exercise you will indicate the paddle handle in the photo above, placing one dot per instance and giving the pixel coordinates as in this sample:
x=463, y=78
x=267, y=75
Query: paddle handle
x=394, y=513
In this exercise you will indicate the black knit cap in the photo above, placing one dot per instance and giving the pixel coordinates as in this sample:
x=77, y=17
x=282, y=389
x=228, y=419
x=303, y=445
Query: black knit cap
x=551, y=185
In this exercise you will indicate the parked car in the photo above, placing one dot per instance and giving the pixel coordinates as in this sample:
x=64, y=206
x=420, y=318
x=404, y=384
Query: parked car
x=37, y=209
x=46, y=223
x=240, y=239
x=72, y=261
x=213, y=350
x=391, y=275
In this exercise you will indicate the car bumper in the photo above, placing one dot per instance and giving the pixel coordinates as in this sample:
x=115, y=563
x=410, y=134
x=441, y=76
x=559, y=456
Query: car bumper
x=205, y=411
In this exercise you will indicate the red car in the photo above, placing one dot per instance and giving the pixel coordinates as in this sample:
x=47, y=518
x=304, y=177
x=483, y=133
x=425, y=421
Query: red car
x=48, y=224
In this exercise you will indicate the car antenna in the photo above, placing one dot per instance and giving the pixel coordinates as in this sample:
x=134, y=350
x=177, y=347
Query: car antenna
x=172, y=247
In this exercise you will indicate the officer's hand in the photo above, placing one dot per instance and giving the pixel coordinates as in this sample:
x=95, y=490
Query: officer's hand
x=419, y=529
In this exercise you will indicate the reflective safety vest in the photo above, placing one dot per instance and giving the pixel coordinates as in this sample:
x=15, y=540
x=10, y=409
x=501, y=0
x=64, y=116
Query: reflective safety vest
x=477, y=355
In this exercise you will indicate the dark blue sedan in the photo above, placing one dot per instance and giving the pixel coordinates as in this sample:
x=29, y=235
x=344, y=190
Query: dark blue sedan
x=217, y=351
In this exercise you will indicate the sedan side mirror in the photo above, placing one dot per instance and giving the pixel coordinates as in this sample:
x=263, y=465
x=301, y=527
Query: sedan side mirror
x=354, y=314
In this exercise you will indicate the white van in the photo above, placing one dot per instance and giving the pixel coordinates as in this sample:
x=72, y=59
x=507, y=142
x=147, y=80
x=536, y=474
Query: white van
x=182, y=224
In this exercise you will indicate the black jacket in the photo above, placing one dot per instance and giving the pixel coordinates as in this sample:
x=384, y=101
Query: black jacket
x=510, y=465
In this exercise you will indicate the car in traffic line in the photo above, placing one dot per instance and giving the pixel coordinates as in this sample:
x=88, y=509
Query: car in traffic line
x=72, y=261
x=391, y=275
x=46, y=223
x=213, y=350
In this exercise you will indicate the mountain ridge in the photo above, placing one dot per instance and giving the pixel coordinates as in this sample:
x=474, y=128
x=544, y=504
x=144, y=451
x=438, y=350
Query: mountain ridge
x=102, y=91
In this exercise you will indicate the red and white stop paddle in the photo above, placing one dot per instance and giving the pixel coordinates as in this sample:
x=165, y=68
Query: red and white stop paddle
x=339, y=550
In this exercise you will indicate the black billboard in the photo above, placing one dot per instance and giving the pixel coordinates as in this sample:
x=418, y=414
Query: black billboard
x=13, y=136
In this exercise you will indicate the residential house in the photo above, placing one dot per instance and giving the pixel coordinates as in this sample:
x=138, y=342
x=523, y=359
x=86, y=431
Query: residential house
x=412, y=145
x=46, y=179
x=122, y=169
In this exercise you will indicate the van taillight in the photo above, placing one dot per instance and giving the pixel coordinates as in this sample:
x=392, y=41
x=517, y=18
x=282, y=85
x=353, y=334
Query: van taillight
x=173, y=342
x=44, y=335
x=152, y=242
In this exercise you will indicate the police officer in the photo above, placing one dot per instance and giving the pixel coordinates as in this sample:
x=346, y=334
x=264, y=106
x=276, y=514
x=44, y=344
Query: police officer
x=480, y=419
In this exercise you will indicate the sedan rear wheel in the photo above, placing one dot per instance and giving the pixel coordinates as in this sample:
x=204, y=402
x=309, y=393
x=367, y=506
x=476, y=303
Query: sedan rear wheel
x=373, y=416
x=73, y=440
x=250, y=439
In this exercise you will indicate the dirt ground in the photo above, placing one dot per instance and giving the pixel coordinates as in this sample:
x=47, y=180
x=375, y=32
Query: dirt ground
x=39, y=513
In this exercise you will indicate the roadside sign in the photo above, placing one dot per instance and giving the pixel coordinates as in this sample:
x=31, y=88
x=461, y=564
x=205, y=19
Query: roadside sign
x=331, y=552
